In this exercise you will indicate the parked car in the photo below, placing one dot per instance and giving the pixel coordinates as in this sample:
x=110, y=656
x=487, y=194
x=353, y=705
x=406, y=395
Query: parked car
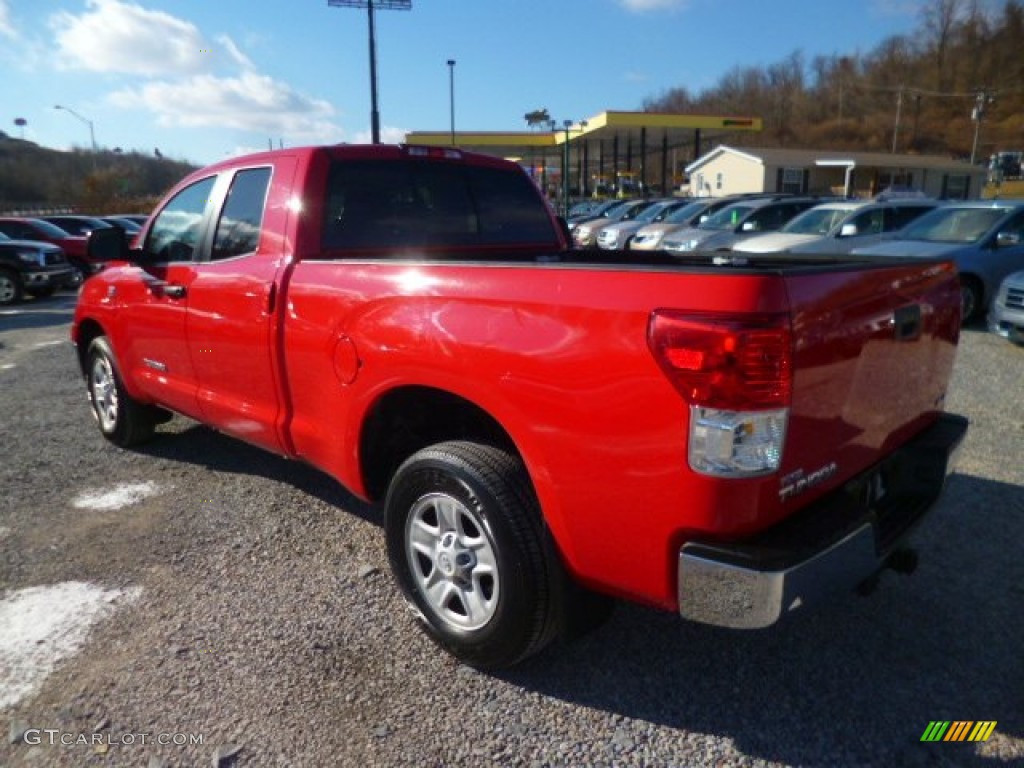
x=31, y=267
x=984, y=237
x=130, y=226
x=722, y=230
x=75, y=224
x=602, y=210
x=619, y=236
x=838, y=227
x=585, y=233
x=138, y=218
x=534, y=421
x=27, y=228
x=1007, y=315
x=649, y=237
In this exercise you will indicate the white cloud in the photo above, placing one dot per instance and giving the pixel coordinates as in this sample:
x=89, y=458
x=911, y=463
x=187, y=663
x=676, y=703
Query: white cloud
x=6, y=26
x=250, y=102
x=115, y=36
x=641, y=6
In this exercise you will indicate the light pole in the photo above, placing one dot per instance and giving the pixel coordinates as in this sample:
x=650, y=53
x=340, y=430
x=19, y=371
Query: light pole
x=451, y=95
x=370, y=5
x=566, y=125
x=92, y=133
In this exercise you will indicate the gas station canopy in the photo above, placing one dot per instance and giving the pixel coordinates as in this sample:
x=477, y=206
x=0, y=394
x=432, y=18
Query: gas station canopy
x=601, y=148
x=627, y=128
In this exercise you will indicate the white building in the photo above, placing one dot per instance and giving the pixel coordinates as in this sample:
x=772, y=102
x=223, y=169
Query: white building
x=731, y=170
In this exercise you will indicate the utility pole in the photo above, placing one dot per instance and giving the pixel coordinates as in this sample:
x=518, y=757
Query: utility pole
x=899, y=110
x=981, y=100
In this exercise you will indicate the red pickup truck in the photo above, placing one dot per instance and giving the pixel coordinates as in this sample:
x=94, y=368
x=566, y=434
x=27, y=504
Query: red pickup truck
x=729, y=438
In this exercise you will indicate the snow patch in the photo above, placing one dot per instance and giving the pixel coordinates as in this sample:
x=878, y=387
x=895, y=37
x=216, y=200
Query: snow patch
x=42, y=626
x=115, y=498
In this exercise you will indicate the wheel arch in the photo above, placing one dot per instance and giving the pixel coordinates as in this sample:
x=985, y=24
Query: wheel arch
x=408, y=418
x=88, y=329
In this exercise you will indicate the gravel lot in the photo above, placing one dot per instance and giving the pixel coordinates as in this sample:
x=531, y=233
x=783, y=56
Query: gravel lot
x=248, y=602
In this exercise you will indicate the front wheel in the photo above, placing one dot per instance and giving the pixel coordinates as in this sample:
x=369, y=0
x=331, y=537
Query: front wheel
x=123, y=420
x=970, y=298
x=466, y=546
x=10, y=288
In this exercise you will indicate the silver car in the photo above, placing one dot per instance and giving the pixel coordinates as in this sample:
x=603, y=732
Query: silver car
x=739, y=221
x=618, y=236
x=1007, y=315
x=984, y=237
x=838, y=228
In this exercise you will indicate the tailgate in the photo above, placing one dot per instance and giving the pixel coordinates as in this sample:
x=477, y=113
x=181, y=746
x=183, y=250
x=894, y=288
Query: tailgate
x=873, y=353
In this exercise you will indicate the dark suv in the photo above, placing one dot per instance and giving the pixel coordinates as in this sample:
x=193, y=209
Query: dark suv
x=32, y=267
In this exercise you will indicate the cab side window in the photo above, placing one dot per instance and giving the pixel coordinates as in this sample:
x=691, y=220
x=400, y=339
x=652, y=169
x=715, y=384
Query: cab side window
x=238, y=230
x=175, y=233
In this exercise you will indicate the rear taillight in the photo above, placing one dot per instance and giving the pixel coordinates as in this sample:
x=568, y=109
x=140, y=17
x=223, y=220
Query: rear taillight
x=725, y=361
x=736, y=372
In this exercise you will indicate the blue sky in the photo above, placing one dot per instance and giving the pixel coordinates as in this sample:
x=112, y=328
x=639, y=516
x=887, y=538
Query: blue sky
x=203, y=79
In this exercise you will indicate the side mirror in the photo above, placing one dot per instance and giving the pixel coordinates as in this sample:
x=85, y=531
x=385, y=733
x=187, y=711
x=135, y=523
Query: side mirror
x=848, y=230
x=107, y=244
x=1006, y=239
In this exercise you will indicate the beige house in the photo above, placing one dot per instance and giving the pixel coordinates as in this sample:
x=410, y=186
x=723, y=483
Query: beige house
x=731, y=170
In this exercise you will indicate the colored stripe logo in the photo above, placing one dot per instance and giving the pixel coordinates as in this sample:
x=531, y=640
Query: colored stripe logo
x=959, y=730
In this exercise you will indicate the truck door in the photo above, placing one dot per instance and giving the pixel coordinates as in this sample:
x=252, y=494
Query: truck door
x=233, y=304
x=153, y=299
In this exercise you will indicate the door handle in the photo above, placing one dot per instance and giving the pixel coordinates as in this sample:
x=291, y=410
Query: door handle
x=170, y=290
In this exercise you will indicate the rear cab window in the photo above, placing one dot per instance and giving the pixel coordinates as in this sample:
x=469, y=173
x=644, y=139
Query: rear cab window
x=387, y=206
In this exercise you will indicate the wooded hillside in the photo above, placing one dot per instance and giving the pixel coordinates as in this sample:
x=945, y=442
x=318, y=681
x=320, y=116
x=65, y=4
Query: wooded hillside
x=910, y=94
x=37, y=178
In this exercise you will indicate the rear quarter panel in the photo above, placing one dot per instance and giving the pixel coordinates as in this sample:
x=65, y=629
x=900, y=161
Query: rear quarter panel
x=559, y=357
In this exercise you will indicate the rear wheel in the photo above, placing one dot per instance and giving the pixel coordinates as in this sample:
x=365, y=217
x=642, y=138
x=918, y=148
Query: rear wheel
x=123, y=420
x=10, y=288
x=466, y=545
x=970, y=298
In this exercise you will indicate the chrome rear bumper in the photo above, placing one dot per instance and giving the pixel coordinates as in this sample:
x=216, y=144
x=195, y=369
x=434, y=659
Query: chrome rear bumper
x=834, y=544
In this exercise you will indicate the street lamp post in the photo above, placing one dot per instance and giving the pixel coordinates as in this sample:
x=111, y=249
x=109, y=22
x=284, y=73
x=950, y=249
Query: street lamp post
x=566, y=125
x=451, y=95
x=565, y=170
x=92, y=133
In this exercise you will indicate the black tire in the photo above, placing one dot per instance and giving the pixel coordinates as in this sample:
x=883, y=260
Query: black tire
x=123, y=420
x=10, y=288
x=42, y=293
x=79, y=272
x=971, y=296
x=467, y=547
